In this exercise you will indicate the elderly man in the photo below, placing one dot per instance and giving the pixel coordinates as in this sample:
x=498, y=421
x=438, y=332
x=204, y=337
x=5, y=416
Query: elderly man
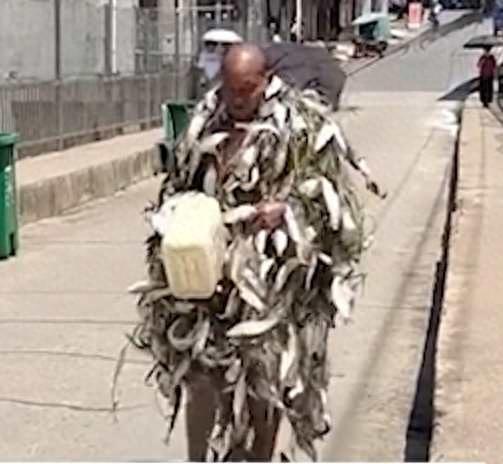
x=255, y=350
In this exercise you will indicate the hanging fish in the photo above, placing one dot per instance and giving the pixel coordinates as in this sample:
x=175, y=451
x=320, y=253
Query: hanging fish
x=250, y=296
x=210, y=143
x=252, y=328
x=340, y=139
x=261, y=241
x=144, y=286
x=252, y=182
x=239, y=399
x=255, y=128
x=265, y=268
x=196, y=126
x=293, y=226
x=285, y=272
x=289, y=355
x=332, y=202
x=232, y=306
x=311, y=271
x=273, y=88
x=280, y=240
x=280, y=159
x=255, y=283
x=342, y=296
x=311, y=188
x=240, y=214
x=297, y=122
x=201, y=338
x=246, y=161
x=280, y=112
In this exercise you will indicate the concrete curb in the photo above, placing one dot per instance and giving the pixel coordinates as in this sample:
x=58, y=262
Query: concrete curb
x=56, y=195
x=467, y=389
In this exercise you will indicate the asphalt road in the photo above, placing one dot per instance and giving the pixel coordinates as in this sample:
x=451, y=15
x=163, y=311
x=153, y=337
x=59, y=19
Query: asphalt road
x=64, y=311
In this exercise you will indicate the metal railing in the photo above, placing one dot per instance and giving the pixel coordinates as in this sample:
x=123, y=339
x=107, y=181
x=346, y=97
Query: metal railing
x=131, y=61
x=59, y=114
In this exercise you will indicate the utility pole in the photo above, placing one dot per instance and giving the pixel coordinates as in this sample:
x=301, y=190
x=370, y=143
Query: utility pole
x=57, y=39
x=218, y=13
x=57, y=70
x=366, y=7
x=298, y=20
x=113, y=39
x=177, y=46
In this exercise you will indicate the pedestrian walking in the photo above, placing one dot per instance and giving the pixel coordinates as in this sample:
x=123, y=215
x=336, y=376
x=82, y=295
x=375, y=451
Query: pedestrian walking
x=255, y=350
x=487, y=70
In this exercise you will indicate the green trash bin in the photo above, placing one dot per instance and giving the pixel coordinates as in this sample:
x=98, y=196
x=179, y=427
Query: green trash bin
x=175, y=119
x=9, y=237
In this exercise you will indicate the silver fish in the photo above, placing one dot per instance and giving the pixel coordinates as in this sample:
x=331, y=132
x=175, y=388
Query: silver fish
x=210, y=143
x=311, y=271
x=280, y=112
x=273, y=88
x=288, y=356
x=242, y=213
x=247, y=160
x=254, y=178
x=280, y=240
x=333, y=203
x=232, y=306
x=144, y=286
x=210, y=181
x=255, y=283
x=311, y=188
x=202, y=338
x=298, y=123
x=239, y=398
x=252, y=328
x=342, y=296
x=261, y=241
x=196, y=126
x=284, y=273
x=293, y=226
x=280, y=159
x=250, y=296
x=265, y=268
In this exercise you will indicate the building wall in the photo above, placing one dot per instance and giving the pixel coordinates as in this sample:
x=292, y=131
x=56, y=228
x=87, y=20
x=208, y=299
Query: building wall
x=27, y=35
x=26, y=38
x=83, y=32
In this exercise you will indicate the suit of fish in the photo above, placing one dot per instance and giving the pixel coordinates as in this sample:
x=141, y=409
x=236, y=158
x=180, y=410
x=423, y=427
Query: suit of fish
x=264, y=331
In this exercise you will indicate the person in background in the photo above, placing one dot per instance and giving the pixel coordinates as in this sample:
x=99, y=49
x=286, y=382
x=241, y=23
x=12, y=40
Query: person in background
x=216, y=43
x=274, y=32
x=487, y=71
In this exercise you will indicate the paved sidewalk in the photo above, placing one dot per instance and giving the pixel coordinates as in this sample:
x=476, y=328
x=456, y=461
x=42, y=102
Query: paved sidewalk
x=53, y=183
x=468, y=400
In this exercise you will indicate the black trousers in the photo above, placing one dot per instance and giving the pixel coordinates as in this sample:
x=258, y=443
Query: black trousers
x=486, y=90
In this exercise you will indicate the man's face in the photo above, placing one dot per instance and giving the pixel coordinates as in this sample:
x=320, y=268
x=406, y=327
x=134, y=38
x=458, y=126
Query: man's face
x=243, y=94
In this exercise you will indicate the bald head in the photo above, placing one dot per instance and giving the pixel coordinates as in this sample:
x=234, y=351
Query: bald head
x=244, y=59
x=244, y=76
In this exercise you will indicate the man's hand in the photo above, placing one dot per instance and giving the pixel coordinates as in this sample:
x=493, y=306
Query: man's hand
x=270, y=215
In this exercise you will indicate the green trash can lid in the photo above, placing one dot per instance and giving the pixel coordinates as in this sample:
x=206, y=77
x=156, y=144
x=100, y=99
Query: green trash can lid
x=7, y=139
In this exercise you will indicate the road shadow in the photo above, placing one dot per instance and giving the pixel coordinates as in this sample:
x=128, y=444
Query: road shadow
x=445, y=29
x=431, y=36
x=462, y=91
